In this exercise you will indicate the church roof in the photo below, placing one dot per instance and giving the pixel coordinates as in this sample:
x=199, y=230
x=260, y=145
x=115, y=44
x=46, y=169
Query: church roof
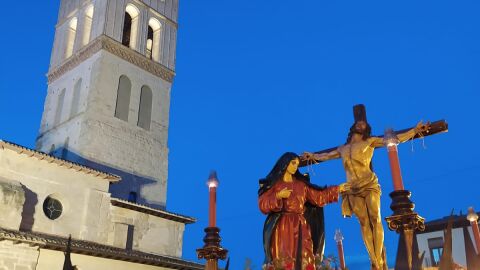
x=152, y=211
x=60, y=162
x=54, y=242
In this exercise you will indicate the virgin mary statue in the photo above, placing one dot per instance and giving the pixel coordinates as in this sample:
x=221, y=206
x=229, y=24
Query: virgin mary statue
x=293, y=207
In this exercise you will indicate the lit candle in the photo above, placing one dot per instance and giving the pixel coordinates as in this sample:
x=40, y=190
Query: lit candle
x=391, y=141
x=212, y=206
x=473, y=217
x=339, y=238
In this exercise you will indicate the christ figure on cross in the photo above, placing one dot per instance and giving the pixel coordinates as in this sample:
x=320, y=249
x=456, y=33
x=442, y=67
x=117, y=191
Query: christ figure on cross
x=363, y=198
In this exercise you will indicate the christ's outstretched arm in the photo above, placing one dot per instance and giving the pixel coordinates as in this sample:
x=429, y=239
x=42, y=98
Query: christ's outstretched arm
x=404, y=136
x=315, y=157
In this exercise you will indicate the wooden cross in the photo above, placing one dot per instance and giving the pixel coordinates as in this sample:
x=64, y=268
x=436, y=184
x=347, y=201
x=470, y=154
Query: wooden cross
x=359, y=113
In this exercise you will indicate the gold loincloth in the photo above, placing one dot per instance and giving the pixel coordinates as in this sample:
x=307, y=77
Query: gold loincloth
x=363, y=192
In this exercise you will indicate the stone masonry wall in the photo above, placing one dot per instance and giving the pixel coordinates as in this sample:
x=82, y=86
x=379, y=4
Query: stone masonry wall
x=18, y=256
x=151, y=234
x=99, y=140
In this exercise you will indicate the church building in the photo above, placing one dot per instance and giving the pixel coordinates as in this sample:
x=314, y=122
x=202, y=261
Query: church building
x=99, y=170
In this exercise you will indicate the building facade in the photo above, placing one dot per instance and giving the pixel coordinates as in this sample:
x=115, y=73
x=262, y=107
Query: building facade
x=431, y=242
x=429, y=245
x=99, y=171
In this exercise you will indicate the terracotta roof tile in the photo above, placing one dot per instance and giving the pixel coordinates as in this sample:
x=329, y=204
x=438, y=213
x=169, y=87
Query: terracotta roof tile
x=152, y=211
x=60, y=162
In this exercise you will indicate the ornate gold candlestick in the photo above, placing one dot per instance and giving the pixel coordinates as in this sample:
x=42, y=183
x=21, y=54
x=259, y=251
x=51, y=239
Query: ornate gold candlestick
x=404, y=220
x=212, y=251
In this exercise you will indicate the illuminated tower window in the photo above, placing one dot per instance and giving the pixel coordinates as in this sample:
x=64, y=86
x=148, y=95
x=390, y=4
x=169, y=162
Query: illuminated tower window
x=130, y=26
x=153, y=39
x=87, y=27
x=71, y=33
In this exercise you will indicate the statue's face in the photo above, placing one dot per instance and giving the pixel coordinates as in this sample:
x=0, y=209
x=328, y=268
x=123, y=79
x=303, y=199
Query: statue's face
x=293, y=166
x=360, y=126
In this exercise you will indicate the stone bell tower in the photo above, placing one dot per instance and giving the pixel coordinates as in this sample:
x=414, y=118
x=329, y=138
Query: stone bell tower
x=108, y=99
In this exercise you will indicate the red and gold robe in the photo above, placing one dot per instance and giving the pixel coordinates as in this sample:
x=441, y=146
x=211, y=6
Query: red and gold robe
x=283, y=245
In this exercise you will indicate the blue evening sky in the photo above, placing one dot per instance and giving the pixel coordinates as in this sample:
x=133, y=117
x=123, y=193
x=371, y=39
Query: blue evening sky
x=258, y=78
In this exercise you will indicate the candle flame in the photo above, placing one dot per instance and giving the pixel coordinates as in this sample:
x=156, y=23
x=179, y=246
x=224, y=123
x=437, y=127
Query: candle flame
x=472, y=216
x=212, y=181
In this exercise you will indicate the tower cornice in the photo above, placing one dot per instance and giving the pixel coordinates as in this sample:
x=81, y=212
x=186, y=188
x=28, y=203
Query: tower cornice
x=110, y=45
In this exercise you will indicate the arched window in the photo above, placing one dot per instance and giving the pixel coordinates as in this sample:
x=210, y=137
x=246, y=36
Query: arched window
x=123, y=98
x=87, y=27
x=71, y=33
x=148, y=50
x=153, y=39
x=77, y=88
x=130, y=26
x=59, y=109
x=127, y=29
x=145, y=108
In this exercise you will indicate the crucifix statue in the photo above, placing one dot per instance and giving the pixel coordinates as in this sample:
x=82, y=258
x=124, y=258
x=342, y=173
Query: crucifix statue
x=363, y=197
